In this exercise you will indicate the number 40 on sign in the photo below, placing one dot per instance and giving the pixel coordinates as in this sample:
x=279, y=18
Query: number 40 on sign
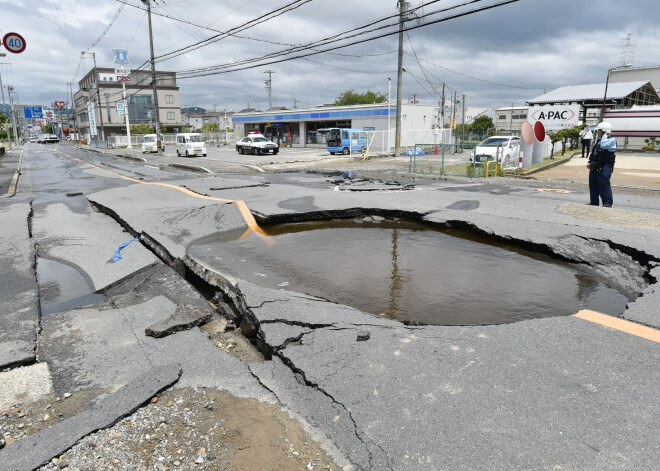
x=14, y=43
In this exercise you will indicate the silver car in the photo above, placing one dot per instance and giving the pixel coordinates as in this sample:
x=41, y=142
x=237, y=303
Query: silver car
x=505, y=148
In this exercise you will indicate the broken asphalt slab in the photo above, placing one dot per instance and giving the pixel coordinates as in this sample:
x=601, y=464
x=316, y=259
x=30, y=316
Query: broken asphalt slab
x=534, y=394
x=19, y=298
x=56, y=228
x=36, y=450
x=168, y=216
x=530, y=395
x=107, y=348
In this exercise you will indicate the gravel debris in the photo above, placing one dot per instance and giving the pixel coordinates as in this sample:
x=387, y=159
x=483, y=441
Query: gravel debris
x=199, y=429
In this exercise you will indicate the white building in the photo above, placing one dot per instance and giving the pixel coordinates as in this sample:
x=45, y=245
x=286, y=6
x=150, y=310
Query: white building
x=510, y=118
x=300, y=127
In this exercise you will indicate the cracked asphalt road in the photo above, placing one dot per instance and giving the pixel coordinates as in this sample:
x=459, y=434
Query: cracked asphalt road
x=552, y=393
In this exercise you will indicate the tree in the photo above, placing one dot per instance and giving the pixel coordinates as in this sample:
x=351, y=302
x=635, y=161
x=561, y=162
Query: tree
x=482, y=123
x=210, y=127
x=49, y=129
x=555, y=137
x=350, y=97
x=4, y=120
x=142, y=129
x=185, y=129
x=573, y=135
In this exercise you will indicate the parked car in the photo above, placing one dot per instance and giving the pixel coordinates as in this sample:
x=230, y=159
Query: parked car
x=190, y=144
x=33, y=139
x=150, y=144
x=256, y=144
x=505, y=148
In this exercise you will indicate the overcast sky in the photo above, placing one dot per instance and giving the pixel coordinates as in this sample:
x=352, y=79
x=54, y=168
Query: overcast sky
x=524, y=47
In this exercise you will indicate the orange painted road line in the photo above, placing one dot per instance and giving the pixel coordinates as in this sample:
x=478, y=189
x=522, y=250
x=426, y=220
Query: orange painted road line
x=642, y=331
x=240, y=204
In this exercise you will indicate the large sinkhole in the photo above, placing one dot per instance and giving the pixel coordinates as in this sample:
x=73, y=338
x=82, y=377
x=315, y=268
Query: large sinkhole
x=410, y=272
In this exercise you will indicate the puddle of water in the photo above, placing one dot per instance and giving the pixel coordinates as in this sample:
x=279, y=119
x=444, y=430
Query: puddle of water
x=407, y=271
x=62, y=287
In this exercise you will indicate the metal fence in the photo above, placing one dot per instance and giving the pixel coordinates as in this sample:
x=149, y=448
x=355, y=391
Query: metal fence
x=458, y=159
x=213, y=139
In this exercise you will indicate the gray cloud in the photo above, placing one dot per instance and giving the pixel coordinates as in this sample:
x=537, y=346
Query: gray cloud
x=532, y=43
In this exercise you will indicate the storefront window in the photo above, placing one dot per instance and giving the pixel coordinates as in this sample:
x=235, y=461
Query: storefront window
x=314, y=137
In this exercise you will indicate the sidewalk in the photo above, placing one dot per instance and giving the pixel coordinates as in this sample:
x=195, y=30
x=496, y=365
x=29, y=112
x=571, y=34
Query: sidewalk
x=638, y=170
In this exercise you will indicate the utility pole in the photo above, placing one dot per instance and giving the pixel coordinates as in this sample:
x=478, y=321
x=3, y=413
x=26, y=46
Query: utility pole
x=153, y=78
x=442, y=107
x=511, y=121
x=13, y=114
x=463, y=125
x=269, y=87
x=402, y=5
x=2, y=90
x=389, y=114
x=75, y=118
x=98, y=95
x=295, y=103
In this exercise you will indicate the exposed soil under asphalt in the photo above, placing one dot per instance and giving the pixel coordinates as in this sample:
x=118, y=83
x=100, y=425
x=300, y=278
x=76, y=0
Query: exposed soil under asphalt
x=201, y=429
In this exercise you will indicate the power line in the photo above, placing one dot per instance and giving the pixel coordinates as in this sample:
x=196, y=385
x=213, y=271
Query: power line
x=114, y=18
x=249, y=64
x=223, y=34
x=477, y=78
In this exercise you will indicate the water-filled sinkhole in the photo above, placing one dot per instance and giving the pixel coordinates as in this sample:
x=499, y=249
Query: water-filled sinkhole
x=411, y=272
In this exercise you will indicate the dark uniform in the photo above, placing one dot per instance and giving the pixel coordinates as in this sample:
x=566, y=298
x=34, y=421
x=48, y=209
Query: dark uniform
x=601, y=161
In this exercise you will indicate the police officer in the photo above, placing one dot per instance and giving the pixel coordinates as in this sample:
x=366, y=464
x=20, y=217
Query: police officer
x=601, y=166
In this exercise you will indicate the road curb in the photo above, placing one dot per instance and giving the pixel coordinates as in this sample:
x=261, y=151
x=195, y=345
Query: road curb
x=550, y=165
x=254, y=167
x=14, y=183
x=190, y=167
x=132, y=157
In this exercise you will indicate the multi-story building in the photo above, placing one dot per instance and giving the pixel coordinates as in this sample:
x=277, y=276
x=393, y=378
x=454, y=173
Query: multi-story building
x=510, y=118
x=195, y=120
x=101, y=87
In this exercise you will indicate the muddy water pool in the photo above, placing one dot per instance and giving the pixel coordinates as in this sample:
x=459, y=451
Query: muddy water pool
x=410, y=272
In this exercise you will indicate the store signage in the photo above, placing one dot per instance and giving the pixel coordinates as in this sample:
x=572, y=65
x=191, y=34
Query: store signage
x=555, y=117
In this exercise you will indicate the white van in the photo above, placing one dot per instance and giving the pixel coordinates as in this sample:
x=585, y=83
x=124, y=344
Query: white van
x=150, y=144
x=190, y=144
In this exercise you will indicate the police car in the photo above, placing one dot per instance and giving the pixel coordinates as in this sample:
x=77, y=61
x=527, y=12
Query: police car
x=256, y=144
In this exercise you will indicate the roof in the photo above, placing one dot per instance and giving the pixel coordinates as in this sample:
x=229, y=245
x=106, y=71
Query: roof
x=594, y=91
x=512, y=108
x=625, y=69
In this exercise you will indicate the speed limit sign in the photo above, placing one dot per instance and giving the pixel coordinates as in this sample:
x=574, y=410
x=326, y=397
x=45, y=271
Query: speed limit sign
x=14, y=42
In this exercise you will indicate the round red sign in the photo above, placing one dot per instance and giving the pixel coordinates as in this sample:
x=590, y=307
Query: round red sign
x=14, y=42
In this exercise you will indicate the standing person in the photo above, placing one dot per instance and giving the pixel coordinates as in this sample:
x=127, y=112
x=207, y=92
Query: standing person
x=585, y=136
x=601, y=166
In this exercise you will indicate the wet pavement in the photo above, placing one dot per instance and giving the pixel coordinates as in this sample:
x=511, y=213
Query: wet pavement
x=556, y=392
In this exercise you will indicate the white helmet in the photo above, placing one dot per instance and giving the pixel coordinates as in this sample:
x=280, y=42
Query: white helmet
x=605, y=127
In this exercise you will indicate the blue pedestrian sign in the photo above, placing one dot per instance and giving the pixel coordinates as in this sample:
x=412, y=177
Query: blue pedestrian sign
x=33, y=112
x=120, y=107
x=121, y=56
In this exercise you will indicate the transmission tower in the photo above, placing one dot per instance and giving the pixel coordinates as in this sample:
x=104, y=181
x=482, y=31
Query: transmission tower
x=627, y=51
